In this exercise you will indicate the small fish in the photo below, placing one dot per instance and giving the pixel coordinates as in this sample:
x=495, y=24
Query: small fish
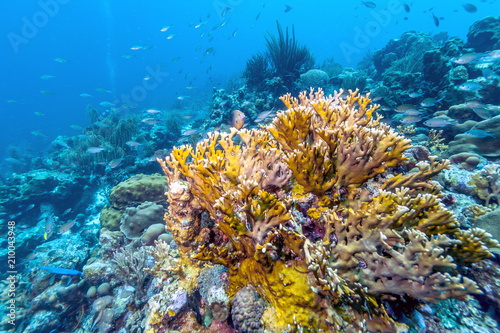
x=412, y=112
x=171, y=36
x=95, y=150
x=190, y=132
x=415, y=95
x=224, y=11
x=237, y=119
x=14, y=161
x=47, y=92
x=65, y=227
x=38, y=133
x=67, y=211
x=369, y=4
x=437, y=122
x=137, y=47
x=49, y=224
x=200, y=24
x=46, y=77
x=469, y=86
x=407, y=8
x=410, y=119
x=287, y=8
x=486, y=111
x=62, y=143
x=31, y=256
x=209, y=50
x=470, y=8
x=428, y=102
x=101, y=124
x=103, y=90
x=39, y=114
x=404, y=107
x=165, y=28
x=106, y=104
x=153, y=111
x=76, y=127
x=133, y=144
x=222, y=24
x=86, y=95
x=147, y=78
x=466, y=58
x=436, y=20
x=61, y=60
x=134, y=178
x=128, y=56
x=12, y=101
x=478, y=133
x=30, y=207
x=149, y=121
x=83, y=137
x=176, y=59
x=182, y=97
x=116, y=162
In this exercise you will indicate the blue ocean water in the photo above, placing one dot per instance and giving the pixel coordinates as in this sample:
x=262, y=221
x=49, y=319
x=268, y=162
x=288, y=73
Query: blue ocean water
x=94, y=35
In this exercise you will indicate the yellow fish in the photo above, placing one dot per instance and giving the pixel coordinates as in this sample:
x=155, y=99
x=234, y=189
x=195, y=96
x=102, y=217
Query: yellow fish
x=238, y=119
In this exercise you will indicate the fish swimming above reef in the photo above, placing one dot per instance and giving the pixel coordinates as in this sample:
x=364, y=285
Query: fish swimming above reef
x=466, y=58
x=95, y=150
x=49, y=226
x=65, y=227
x=484, y=111
x=478, y=133
x=238, y=119
x=470, y=8
x=469, y=86
x=61, y=271
x=437, y=122
x=436, y=20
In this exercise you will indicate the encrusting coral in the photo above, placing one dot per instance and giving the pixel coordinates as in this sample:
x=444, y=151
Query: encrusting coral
x=306, y=211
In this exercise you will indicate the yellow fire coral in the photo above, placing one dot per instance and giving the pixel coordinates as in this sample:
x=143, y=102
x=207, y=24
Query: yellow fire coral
x=307, y=212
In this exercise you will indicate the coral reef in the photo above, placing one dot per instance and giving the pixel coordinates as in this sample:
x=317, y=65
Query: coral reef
x=135, y=190
x=307, y=211
x=137, y=219
x=247, y=310
x=484, y=35
x=486, y=184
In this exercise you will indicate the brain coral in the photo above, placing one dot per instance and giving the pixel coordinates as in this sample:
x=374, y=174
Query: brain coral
x=136, y=189
x=314, y=78
x=137, y=219
x=247, y=309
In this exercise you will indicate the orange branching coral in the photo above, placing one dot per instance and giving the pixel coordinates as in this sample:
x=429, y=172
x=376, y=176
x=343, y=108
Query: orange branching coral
x=421, y=179
x=335, y=143
x=306, y=211
x=474, y=245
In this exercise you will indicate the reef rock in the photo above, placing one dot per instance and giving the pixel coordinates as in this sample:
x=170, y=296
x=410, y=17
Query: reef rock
x=484, y=35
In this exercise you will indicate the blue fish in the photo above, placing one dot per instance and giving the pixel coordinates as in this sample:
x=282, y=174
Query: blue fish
x=62, y=271
x=477, y=133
